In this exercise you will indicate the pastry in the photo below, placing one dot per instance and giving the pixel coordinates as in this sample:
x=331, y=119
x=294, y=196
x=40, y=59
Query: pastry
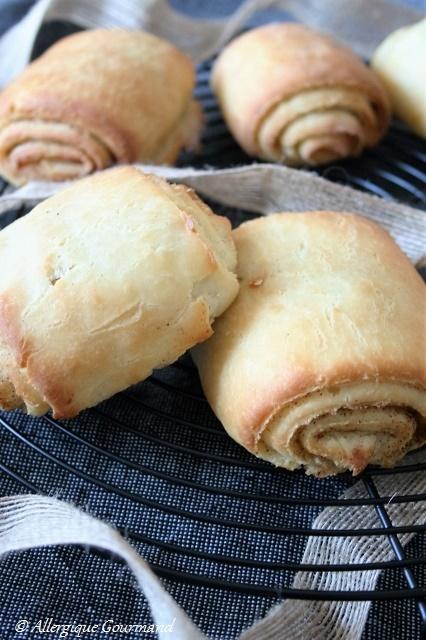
x=320, y=361
x=94, y=99
x=292, y=95
x=400, y=61
x=114, y=276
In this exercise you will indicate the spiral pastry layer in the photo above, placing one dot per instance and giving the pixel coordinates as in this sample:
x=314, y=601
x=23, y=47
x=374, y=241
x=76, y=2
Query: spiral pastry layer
x=295, y=96
x=320, y=361
x=96, y=98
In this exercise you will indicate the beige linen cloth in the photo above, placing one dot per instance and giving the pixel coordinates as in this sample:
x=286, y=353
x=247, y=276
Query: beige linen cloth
x=31, y=521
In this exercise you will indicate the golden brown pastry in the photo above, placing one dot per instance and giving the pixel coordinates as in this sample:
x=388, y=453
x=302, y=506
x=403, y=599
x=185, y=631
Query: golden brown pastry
x=105, y=281
x=96, y=98
x=320, y=361
x=400, y=61
x=292, y=95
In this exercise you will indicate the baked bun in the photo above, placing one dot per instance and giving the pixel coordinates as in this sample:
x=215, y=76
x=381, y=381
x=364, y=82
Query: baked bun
x=320, y=361
x=400, y=62
x=292, y=95
x=94, y=99
x=110, y=278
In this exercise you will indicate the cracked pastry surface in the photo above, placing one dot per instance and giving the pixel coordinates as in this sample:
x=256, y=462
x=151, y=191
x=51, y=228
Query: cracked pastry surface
x=112, y=277
x=321, y=360
x=292, y=95
x=94, y=99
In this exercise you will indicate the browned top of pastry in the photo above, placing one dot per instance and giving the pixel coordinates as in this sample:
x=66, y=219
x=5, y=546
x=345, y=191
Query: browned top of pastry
x=130, y=88
x=116, y=275
x=276, y=61
x=326, y=299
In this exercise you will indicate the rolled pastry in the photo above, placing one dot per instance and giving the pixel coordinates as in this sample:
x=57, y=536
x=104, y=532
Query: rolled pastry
x=103, y=282
x=320, y=361
x=292, y=95
x=97, y=98
x=400, y=61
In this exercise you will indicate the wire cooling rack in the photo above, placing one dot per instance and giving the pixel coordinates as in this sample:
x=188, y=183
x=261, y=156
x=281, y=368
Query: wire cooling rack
x=155, y=461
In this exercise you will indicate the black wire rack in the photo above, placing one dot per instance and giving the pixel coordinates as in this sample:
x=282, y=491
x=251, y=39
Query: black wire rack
x=155, y=461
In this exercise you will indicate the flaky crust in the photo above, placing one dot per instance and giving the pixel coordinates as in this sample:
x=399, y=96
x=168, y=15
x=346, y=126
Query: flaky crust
x=320, y=361
x=96, y=98
x=112, y=277
x=293, y=95
x=400, y=62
